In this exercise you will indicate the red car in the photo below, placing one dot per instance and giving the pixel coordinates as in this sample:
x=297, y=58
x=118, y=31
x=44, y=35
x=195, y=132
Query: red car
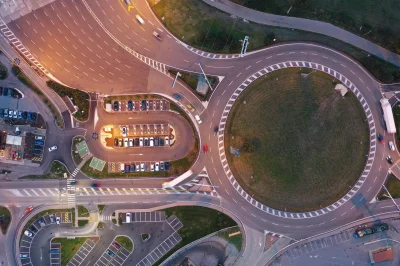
x=205, y=148
x=29, y=209
x=115, y=244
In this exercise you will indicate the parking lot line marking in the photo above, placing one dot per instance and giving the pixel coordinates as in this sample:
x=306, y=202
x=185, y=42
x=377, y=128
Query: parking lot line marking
x=42, y=192
x=51, y=192
x=26, y=192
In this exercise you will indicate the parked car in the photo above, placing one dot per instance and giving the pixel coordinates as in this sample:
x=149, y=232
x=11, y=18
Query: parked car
x=115, y=142
x=52, y=218
x=166, y=166
x=166, y=141
x=142, y=167
x=116, y=245
x=9, y=92
x=10, y=113
x=41, y=222
x=52, y=148
x=6, y=113
x=136, y=142
x=141, y=142
x=29, y=118
x=161, y=166
x=130, y=105
x=146, y=142
x=15, y=114
x=116, y=106
x=24, y=255
x=24, y=115
x=144, y=105
x=161, y=142
x=391, y=146
x=138, y=168
x=157, y=167
x=126, y=144
x=131, y=144
x=151, y=142
x=177, y=96
x=39, y=142
x=127, y=168
x=5, y=91
x=58, y=220
x=19, y=115
x=120, y=142
x=109, y=252
x=33, y=116
x=152, y=167
x=38, y=137
x=28, y=233
x=133, y=168
x=124, y=131
x=156, y=141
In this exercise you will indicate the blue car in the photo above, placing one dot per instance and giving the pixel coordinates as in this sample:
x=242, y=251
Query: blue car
x=39, y=142
x=109, y=252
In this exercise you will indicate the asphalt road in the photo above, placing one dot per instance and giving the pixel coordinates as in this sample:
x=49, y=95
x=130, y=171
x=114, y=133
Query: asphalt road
x=42, y=31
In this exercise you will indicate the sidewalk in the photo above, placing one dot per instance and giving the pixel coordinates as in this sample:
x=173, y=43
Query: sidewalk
x=306, y=25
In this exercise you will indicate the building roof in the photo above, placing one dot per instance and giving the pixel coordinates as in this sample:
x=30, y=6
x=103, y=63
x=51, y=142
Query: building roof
x=14, y=140
x=383, y=255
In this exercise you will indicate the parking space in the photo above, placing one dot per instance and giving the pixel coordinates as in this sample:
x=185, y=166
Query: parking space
x=83, y=252
x=140, y=105
x=160, y=250
x=138, y=217
x=114, y=255
x=55, y=254
x=131, y=167
x=174, y=222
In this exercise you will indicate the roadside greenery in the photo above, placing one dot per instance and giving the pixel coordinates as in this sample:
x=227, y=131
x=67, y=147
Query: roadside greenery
x=25, y=80
x=82, y=211
x=3, y=71
x=197, y=223
x=5, y=219
x=80, y=98
x=212, y=30
x=69, y=247
x=56, y=171
x=101, y=208
x=125, y=242
x=75, y=154
x=82, y=223
x=393, y=185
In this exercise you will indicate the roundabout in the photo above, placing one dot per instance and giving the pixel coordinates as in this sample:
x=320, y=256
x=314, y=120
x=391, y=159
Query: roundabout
x=294, y=133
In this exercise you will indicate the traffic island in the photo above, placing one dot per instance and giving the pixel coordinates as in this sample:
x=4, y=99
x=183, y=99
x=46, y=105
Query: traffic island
x=125, y=242
x=5, y=219
x=290, y=132
x=393, y=186
x=145, y=237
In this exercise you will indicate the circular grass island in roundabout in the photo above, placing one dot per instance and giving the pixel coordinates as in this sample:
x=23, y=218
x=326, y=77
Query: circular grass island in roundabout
x=302, y=145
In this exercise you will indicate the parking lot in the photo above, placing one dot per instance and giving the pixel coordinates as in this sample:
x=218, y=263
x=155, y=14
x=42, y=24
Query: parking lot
x=83, y=252
x=141, y=130
x=140, y=105
x=35, y=227
x=114, y=255
x=34, y=147
x=138, y=217
x=125, y=167
x=55, y=254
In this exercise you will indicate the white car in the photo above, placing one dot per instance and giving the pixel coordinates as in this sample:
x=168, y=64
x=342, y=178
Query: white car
x=198, y=119
x=151, y=142
x=39, y=137
x=130, y=142
x=166, y=141
x=52, y=148
x=157, y=166
x=391, y=146
x=142, y=168
x=141, y=142
x=138, y=168
x=152, y=167
x=124, y=131
x=28, y=233
x=57, y=220
x=126, y=144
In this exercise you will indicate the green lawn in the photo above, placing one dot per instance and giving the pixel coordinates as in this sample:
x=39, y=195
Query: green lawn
x=125, y=242
x=375, y=21
x=101, y=208
x=56, y=171
x=75, y=155
x=295, y=135
x=236, y=240
x=69, y=247
x=82, y=222
x=197, y=223
x=209, y=29
x=25, y=80
x=393, y=185
x=82, y=211
x=79, y=98
x=5, y=215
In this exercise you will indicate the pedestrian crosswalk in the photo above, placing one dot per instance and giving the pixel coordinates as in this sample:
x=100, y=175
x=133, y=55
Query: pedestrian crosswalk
x=106, y=217
x=75, y=172
x=71, y=195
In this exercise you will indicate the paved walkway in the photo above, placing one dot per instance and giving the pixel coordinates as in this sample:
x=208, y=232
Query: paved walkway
x=307, y=25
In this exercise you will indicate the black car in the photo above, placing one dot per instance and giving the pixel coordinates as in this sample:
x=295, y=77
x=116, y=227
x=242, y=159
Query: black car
x=137, y=142
x=382, y=227
x=380, y=138
x=161, y=166
x=130, y=105
x=1, y=90
x=146, y=142
x=389, y=159
x=116, y=142
x=33, y=116
x=25, y=115
x=29, y=116
x=38, y=152
x=32, y=228
x=166, y=166
x=144, y=106
x=133, y=168
x=38, y=147
x=156, y=141
x=5, y=91
x=116, y=106
x=162, y=142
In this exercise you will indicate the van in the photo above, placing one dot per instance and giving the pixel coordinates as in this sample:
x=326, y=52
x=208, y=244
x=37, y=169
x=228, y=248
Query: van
x=122, y=167
x=128, y=218
x=141, y=21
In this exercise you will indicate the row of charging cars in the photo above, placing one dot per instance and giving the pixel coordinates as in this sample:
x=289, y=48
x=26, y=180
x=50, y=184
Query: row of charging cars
x=142, y=142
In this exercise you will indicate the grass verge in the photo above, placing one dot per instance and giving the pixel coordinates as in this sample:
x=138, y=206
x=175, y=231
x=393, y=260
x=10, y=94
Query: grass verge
x=82, y=223
x=393, y=185
x=367, y=20
x=100, y=225
x=75, y=154
x=197, y=223
x=101, y=208
x=82, y=211
x=125, y=242
x=236, y=240
x=79, y=98
x=69, y=247
x=24, y=79
x=209, y=29
x=56, y=171
x=289, y=148
x=5, y=219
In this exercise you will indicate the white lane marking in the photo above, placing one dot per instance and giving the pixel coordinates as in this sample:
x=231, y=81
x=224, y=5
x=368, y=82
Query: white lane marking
x=248, y=67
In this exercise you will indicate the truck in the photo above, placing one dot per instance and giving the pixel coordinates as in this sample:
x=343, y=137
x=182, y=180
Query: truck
x=388, y=116
x=363, y=232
